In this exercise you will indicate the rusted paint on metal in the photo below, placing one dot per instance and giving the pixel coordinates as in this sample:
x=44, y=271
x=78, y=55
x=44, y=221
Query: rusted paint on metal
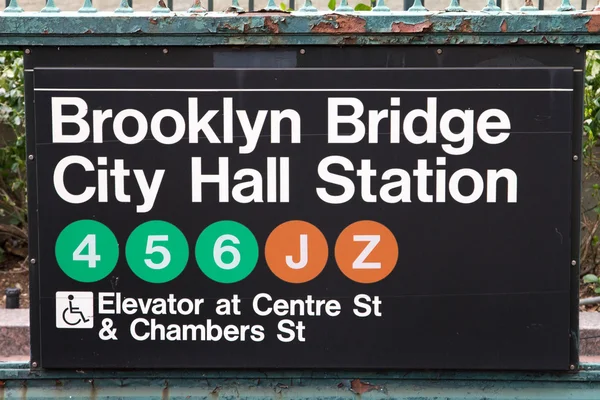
x=24, y=390
x=93, y=391
x=215, y=391
x=465, y=26
x=349, y=40
x=227, y=27
x=306, y=29
x=296, y=385
x=359, y=387
x=411, y=28
x=593, y=25
x=272, y=25
x=165, y=391
x=336, y=22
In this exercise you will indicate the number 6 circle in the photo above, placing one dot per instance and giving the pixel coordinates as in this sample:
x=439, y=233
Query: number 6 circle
x=226, y=251
x=219, y=249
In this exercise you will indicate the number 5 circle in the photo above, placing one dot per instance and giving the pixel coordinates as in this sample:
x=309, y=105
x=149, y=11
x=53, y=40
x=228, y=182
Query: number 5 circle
x=157, y=251
x=226, y=251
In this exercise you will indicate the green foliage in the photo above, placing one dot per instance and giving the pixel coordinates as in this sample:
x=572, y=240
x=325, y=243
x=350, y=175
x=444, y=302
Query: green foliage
x=285, y=8
x=594, y=281
x=591, y=124
x=362, y=7
x=359, y=7
x=590, y=217
x=13, y=188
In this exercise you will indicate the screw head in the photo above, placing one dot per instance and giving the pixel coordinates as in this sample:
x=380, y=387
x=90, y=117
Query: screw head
x=577, y=50
x=34, y=364
x=571, y=367
x=33, y=261
x=165, y=51
x=27, y=51
x=302, y=51
x=439, y=51
x=575, y=158
x=31, y=157
x=573, y=262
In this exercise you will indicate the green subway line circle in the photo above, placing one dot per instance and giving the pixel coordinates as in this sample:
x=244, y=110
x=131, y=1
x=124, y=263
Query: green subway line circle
x=226, y=251
x=87, y=251
x=157, y=251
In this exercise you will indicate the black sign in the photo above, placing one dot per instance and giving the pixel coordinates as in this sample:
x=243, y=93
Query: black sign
x=267, y=211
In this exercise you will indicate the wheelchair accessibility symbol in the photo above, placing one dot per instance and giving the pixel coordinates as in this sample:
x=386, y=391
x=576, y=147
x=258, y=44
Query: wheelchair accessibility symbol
x=75, y=310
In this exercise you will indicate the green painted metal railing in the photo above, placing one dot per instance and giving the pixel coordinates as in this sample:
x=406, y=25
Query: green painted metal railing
x=412, y=5
x=16, y=381
x=195, y=28
x=307, y=26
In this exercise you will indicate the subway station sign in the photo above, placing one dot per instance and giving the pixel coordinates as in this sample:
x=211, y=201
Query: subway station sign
x=195, y=209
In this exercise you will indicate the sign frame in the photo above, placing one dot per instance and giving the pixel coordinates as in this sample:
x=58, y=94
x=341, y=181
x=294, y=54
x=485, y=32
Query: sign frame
x=425, y=57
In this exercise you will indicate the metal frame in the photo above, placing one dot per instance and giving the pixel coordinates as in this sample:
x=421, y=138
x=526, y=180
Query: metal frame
x=576, y=179
x=446, y=56
x=18, y=30
x=17, y=381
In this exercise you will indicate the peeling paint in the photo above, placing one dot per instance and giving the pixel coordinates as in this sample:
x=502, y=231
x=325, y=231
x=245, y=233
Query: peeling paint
x=271, y=25
x=93, y=391
x=465, y=26
x=349, y=40
x=419, y=27
x=335, y=22
x=17, y=381
x=360, y=387
x=227, y=27
x=277, y=28
x=165, y=391
x=593, y=24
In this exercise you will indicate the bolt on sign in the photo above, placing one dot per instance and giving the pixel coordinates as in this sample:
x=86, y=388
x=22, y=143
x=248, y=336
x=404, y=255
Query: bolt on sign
x=383, y=207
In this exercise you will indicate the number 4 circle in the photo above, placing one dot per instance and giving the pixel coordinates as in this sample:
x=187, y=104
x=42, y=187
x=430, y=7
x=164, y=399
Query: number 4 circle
x=91, y=257
x=86, y=251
